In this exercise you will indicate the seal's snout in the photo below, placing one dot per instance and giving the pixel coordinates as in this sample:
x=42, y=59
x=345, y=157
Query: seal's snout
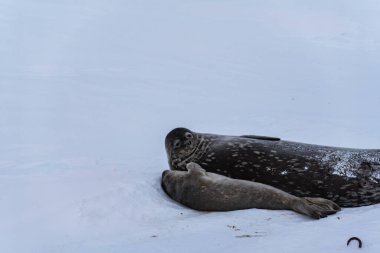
x=164, y=173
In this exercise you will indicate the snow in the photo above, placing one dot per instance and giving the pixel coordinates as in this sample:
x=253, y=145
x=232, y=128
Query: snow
x=89, y=89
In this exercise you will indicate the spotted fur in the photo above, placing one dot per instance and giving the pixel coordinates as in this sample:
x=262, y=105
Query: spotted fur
x=349, y=177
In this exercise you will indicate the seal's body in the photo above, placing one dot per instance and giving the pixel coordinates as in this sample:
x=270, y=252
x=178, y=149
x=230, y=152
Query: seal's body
x=207, y=191
x=349, y=177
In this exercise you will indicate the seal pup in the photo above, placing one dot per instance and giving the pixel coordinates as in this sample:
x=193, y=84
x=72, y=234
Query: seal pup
x=206, y=191
x=349, y=177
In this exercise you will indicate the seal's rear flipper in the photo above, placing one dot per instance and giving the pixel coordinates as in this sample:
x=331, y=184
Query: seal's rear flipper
x=257, y=137
x=316, y=207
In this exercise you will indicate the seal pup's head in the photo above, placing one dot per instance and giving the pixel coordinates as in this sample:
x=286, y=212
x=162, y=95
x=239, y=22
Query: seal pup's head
x=170, y=180
x=180, y=143
x=174, y=182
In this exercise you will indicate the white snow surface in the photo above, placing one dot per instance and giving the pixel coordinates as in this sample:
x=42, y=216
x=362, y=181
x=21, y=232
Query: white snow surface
x=89, y=89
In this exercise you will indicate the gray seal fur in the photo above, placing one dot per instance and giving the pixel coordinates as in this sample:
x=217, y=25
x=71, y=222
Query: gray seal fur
x=205, y=191
x=349, y=177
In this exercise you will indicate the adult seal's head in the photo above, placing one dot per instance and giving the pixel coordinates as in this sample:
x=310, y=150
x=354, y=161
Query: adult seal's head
x=180, y=143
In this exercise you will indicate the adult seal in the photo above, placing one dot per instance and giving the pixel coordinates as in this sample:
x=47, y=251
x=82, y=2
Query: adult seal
x=349, y=177
x=206, y=191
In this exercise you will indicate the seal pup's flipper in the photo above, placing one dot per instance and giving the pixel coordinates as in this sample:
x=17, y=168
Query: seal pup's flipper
x=316, y=207
x=258, y=137
x=195, y=169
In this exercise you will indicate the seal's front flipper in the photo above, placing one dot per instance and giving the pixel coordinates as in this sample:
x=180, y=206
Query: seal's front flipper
x=195, y=169
x=316, y=207
x=258, y=137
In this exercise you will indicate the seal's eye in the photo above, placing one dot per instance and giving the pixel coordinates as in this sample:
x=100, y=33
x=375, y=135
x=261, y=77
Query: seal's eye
x=189, y=135
x=176, y=144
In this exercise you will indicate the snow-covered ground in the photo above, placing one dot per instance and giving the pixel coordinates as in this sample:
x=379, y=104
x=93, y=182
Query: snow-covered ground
x=89, y=89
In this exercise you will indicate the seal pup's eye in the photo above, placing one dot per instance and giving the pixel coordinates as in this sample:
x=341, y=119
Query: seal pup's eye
x=176, y=144
x=188, y=135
